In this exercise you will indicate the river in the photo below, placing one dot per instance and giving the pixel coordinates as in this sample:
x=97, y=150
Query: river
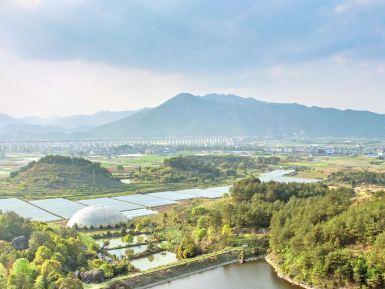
x=252, y=275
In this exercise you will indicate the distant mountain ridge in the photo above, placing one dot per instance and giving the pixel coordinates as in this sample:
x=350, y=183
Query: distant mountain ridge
x=76, y=121
x=60, y=127
x=231, y=115
x=210, y=115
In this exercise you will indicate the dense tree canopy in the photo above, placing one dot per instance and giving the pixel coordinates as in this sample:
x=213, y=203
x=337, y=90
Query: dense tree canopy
x=359, y=177
x=331, y=241
x=53, y=252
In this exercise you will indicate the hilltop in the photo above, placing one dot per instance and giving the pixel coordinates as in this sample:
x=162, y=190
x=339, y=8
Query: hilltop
x=187, y=115
x=52, y=175
x=231, y=115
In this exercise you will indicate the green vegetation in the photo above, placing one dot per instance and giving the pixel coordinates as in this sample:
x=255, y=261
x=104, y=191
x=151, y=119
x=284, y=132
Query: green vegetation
x=359, y=177
x=53, y=252
x=317, y=235
x=331, y=242
x=49, y=256
x=55, y=175
x=203, y=169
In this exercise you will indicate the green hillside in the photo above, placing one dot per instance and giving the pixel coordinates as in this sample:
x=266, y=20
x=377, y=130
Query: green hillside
x=52, y=175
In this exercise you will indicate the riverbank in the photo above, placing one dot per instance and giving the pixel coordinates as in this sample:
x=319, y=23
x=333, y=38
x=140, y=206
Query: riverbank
x=173, y=271
x=273, y=263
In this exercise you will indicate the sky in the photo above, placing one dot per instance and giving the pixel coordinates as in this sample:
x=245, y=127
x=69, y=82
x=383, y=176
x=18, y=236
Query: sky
x=63, y=57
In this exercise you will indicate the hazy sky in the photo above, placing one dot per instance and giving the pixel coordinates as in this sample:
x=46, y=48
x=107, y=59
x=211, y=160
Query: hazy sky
x=61, y=57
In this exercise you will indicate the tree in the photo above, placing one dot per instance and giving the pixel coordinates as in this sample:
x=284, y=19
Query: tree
x=22, y=275
x=3, y=276
x=226, y=230
x=128, y=239
x=108, y=270
x=120, y=168
x=69, y=282
x=187, y=249
x=42, y=254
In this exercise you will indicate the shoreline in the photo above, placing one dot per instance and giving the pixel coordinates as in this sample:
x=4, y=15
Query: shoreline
x=212, y=267
x=171, y=272
x=287, y=278
x=188, y=274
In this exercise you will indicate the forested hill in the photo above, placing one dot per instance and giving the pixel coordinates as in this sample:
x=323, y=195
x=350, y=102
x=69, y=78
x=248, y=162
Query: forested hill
x=230, y=115
x=53, y=175
x=331, y=242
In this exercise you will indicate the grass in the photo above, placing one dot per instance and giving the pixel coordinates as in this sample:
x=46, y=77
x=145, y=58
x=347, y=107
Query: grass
x=130, y=161
x=321, y=167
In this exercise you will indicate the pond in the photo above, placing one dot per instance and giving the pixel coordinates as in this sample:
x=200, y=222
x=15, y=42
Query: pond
x=120, y=253
x=253, y=275
x=153, y=261
x=117, y=242
x=281, y=176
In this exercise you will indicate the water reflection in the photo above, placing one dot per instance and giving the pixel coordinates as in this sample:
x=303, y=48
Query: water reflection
x=254, y=275
x=153, y=261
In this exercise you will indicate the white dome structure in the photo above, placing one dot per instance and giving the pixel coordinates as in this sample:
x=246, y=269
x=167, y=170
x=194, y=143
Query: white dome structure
x=96, y=216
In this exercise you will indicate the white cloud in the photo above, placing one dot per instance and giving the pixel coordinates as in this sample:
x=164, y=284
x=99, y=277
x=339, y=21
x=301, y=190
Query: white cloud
x=68, y=87
x=354, y=4
x=71, y=87
x=27, y=4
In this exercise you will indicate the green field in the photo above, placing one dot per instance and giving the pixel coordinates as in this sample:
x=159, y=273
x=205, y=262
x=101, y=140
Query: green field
x=129, y=161
x=12, y=162
x=321, y=167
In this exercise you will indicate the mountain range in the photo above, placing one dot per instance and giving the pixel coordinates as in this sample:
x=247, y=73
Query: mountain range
x=209, y=115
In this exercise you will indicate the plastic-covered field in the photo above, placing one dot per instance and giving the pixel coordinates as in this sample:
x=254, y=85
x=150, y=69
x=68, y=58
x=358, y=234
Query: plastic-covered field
x=210, y=193
x=59, y=206
x=116, y=204
x=139, y=213
x=26, y=210
x=172, y=195
x=145, y=200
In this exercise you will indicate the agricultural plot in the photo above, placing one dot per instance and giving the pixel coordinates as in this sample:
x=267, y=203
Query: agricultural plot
x=217, y=192
x=139, y=213
x=26, y=210
x=211, y=193
x=172, y=195
x=116, y=204
x=59, y=206
x=145, y=201
x=12, y=162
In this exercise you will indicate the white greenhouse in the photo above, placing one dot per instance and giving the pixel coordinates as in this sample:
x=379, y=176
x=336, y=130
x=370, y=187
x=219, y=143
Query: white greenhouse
x=96, y=217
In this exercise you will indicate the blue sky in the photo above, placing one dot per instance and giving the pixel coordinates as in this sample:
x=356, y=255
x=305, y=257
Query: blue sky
x=118, y=55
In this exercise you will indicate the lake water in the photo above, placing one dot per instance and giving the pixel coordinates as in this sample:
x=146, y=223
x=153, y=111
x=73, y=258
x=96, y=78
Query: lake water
x=253, y=275
x=280, y=176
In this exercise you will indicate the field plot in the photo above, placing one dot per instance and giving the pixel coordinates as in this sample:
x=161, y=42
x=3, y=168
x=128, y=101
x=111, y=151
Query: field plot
x=139, y=213
x=26, y=210
x=145, y=200
x=116, y=204
x=59, y=206
x=210, y=193
x=172, y=195
x=12, y=162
